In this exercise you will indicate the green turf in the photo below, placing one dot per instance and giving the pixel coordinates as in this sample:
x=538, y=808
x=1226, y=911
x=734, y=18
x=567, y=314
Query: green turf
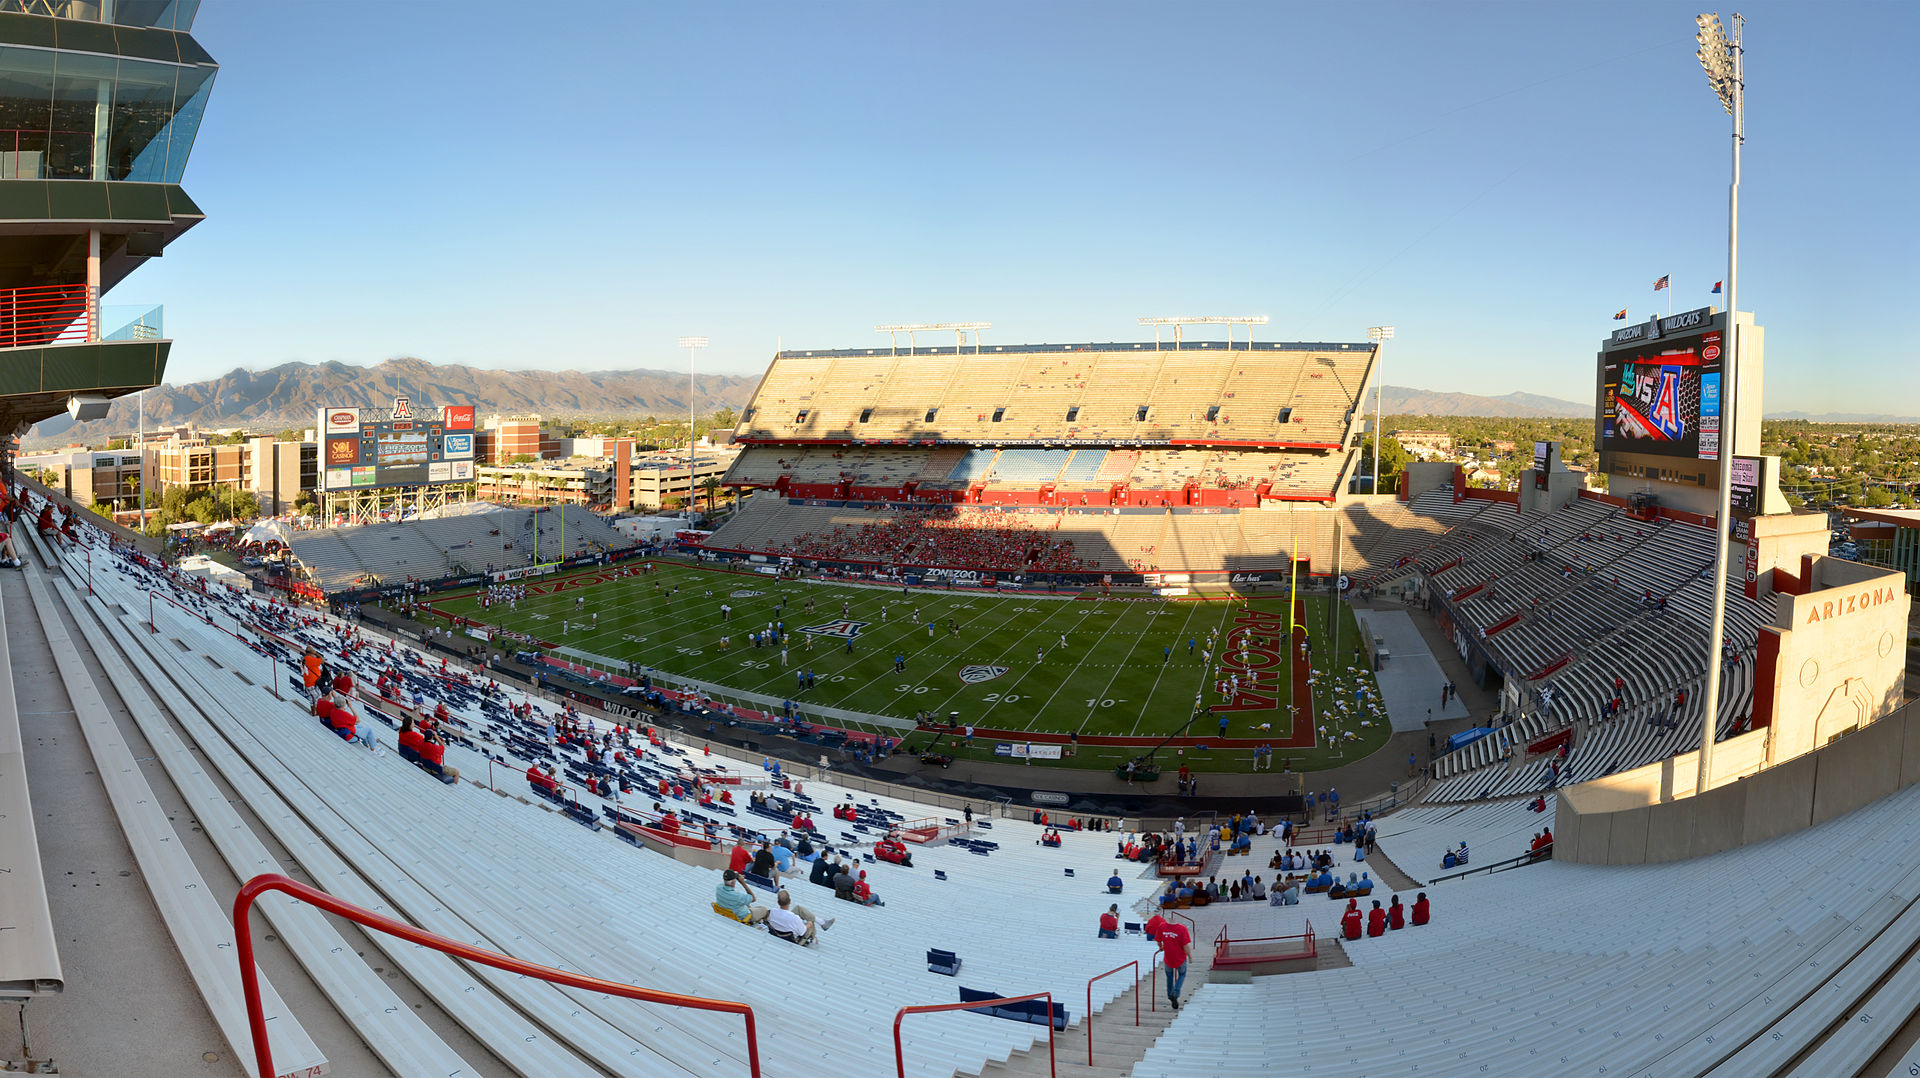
x=1110, y=677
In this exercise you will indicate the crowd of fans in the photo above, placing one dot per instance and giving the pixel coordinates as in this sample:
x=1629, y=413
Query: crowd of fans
x=973, y=538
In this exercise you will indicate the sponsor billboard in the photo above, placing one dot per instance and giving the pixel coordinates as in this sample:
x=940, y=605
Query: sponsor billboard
x=1663, y=398
x=1026, y=750
x=340, y=420
x=410, y=449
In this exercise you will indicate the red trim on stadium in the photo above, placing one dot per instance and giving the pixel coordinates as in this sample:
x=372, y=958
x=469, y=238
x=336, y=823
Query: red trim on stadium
x=1152, y=443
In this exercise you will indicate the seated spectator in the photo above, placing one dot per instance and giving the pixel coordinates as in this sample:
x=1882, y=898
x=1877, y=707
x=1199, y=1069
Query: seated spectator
x=1350, y=920
x=794, y=922
x=1460, y=855
x=1115, y=884
x=735, y=899
x=1542, y=844
x=1233, y=891
x=1278, y=860
x=740, y=858
x=1110, y=923
x=863, y=893
x=783, y=858
x=433, y=753
x=893, y=850
x=763, y=862
x=1421, y=911
x=1359, y=852
x=1376, y=920
x=825, y=867
x=410, y=739
x=1337, y=890
x=1363, y=887
x=1449, y=860
x=1259, y=890
x=804, y=850
x=1288, y=895
x=1396, y=915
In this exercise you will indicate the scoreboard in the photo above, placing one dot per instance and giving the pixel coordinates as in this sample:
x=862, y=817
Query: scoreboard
x=411, y=447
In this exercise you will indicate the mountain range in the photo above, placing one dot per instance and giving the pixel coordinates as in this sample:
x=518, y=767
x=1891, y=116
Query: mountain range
x=290, y=395
x=1400, y=400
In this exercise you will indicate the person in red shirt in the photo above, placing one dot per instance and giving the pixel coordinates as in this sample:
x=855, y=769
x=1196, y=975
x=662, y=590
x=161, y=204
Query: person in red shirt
x=410, y=739
x=740, y=858
x=864, y=893
x=432, y=752
x=323, y=710
x=1350, y=920
x=1396, y=915
x=726, y=795
x=1420, y=909
x=1376, y=920
x=1174, y=941
x=1110, y=923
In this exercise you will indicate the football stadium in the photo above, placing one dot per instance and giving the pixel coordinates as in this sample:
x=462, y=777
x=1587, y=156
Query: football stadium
x=1185, y=751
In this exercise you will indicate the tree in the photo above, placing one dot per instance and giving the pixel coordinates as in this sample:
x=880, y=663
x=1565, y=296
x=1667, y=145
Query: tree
x=1876, y=498
x=724, y=418
x=1393, y=461
x=711, y=487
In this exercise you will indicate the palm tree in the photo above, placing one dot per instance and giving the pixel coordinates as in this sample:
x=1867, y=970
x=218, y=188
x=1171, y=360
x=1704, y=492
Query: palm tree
x=711, y=484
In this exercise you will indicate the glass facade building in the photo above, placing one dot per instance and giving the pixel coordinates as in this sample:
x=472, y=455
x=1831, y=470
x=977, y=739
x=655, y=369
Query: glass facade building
x=100, y=102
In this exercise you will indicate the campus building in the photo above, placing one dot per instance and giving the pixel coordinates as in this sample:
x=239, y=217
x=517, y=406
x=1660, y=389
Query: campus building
x=277, y=473
x=99, y=106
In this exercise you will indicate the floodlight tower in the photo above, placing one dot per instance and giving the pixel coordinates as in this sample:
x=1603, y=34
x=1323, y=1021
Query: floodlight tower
x=1379, y=335
x=692, y=345
x=1183, y=320
x=1723, y=58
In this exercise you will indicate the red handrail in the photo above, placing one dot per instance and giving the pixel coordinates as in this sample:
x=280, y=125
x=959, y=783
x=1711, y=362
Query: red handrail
x=899, y=1053
x=273, y=881
x=1089, y=1012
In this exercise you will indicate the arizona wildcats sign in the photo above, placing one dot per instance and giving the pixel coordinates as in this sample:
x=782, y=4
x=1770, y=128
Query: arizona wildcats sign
x=974, y=675
x=842, y=628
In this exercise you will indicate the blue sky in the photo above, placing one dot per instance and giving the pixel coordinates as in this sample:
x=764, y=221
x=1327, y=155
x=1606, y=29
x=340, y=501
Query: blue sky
x=484, y=183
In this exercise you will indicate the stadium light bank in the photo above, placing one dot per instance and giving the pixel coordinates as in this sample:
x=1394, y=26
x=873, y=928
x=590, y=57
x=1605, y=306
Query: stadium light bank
x=959, y=334
x=1179, y=321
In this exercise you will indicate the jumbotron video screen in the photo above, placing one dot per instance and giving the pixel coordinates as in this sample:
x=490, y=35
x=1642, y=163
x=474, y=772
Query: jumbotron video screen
x=406, y=449
x=1663, y=398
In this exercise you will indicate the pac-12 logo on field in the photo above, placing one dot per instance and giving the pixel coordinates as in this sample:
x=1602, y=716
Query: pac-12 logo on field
x=974, y=675
x=749, y=593
x=841, y=628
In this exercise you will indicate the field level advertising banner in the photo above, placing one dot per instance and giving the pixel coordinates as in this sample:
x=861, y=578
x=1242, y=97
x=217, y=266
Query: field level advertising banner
x=1663, y=398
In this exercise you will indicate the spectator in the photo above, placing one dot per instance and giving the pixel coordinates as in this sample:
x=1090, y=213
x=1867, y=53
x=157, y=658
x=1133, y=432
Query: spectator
x=1376, y=920
x=1421, y=911
x=795, y=922
x=433, y=751
x=1114, y=884
x=1396, y=915
x=1350, y=920
x=825, y=868
x=735, y=899
x=843, y=882
x=740, y=858
x=863, y=893
x=1110, y=922
x=1174, y=941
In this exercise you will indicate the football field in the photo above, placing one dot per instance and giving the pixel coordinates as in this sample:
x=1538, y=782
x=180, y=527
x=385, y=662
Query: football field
x=1023, y=662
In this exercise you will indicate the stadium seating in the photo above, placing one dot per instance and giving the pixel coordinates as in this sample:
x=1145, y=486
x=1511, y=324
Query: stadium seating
x=1202, y=391
x=1554, y=968
x=429, y=548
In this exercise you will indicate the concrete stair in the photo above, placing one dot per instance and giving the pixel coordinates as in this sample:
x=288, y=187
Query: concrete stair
x=1117, y=1043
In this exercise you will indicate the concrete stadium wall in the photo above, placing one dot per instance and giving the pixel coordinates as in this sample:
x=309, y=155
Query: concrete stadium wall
x=1650, y=814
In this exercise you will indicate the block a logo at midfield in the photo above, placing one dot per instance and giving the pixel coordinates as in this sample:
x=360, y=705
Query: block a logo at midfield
x=974, y=675
x=749, y=593
x=841, y=627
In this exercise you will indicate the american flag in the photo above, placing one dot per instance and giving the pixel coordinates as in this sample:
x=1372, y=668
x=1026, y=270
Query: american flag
x=1660, y=284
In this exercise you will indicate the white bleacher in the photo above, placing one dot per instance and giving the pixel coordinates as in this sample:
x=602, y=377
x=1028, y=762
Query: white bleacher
x=567, y=899
x=1417, y=838
x=30, y=961
x=1585, y=970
